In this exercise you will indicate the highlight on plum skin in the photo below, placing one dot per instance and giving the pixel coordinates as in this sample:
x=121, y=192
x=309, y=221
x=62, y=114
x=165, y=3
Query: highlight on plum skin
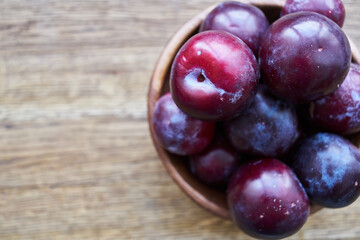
x=333, y=9
x=177, y=132
x=266, y=199
x=268, y=127
x=214, y=76
x=304, y=56
x=243, y=20
x=328, y=166
x=216, y=163
x=339, y=112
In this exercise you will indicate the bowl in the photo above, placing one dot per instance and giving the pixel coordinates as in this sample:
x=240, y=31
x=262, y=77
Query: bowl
x=177, y=166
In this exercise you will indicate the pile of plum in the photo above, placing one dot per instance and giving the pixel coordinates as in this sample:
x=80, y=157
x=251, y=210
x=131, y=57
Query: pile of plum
x=263, y=111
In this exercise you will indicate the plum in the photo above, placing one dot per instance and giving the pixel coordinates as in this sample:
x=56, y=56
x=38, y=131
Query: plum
x=304, y=56
x=268, y=127
x=333, y=9
x=216, y=164
x=328, y=166
x=214, y=76
x=243, y=20
x=177, y=132
x=267, y=200
x=339, y=112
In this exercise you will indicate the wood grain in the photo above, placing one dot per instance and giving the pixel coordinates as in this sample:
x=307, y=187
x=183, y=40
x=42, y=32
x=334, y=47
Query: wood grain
x=77, y=161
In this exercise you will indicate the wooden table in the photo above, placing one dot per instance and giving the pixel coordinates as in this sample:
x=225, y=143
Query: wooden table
x=76, y=158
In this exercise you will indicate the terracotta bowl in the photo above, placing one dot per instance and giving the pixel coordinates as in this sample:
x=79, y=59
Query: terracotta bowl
x=177, y=166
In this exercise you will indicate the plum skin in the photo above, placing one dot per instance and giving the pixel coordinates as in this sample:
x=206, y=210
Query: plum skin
x=328, y=166
x=243, y=20
x=214, y=76
x=304, y=56
x=178, y=133
x=216, y=163
x=267, y=200
x=339, y=112
x=333, y=9
x=267, y=128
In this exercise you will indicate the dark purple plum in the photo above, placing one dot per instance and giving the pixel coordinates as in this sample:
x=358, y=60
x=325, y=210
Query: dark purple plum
x=177, y=132
x=333, y=9
x=268, y=128
x=267, y=200
x=328, y=166
x=304, y=56
x=214, y=76
x=339, y=112
x=243, y=20
x=216, y=164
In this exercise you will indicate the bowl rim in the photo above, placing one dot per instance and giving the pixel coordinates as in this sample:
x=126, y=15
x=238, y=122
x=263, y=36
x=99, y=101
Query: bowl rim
x=157, y=80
